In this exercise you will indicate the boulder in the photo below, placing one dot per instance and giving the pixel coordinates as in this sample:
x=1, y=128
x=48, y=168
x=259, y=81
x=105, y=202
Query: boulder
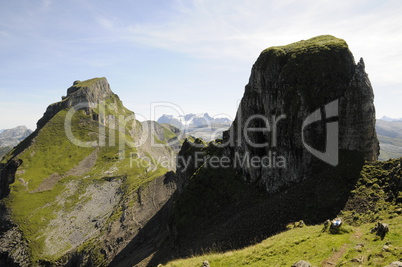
x=381, y=229
x=395, y=264
x=301, y=263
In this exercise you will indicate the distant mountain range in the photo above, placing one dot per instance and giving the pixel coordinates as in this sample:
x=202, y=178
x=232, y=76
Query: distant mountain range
x=389, y=130
x=9, y=138
x=193, y=120
x=385, y=118
x=389, y=133
x=200, y=125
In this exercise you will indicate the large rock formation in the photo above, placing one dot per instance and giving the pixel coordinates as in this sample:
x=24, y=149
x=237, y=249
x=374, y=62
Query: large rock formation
x=304, y=128
x=85, y=183
x=308, y=107
x=89, y=93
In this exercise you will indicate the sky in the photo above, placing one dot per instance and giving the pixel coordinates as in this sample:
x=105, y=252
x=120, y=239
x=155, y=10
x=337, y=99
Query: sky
x=191, y=56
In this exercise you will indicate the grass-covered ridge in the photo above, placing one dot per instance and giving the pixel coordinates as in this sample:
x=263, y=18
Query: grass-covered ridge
x=315, y=44
x=304, y=68
x=58, y=182
x=376, y=197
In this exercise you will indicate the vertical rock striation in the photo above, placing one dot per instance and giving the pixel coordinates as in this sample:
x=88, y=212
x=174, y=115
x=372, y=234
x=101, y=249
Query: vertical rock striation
x=316, y=79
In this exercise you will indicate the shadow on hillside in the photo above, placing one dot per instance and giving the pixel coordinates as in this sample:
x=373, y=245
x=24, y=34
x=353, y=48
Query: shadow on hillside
x=241, y=224
x=148, y=241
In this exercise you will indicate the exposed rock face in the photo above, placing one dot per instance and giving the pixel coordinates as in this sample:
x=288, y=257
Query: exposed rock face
x=13, y=248
x=80, y=199
x=7, y=176
x=296, y=96
x=88, y=93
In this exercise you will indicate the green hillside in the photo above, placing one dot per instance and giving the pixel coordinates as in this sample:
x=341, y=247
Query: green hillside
x=377, y=197
x=65, y=194
x=355, y=247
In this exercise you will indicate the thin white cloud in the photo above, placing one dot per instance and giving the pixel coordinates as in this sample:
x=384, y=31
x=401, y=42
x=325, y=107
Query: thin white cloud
x=212, y=29
x=226, y=36
x=240, y=29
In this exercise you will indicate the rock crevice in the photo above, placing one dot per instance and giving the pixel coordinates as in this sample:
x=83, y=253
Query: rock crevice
x=287, y=85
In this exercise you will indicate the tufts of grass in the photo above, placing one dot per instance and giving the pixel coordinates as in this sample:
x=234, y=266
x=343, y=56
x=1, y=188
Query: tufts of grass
x=88, y=83
x=377, y=196
x=304, y=66
x=310, y=243
x=313, y=45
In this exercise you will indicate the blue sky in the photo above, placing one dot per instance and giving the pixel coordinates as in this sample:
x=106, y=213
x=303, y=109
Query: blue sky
x=195, y=54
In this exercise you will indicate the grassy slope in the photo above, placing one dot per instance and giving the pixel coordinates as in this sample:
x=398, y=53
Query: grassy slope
x=376, y=197
x=52, y=153
x=312, y=244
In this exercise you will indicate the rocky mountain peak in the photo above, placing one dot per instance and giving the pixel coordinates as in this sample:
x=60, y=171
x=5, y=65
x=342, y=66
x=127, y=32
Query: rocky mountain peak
x=94, y=88
x=88, y=94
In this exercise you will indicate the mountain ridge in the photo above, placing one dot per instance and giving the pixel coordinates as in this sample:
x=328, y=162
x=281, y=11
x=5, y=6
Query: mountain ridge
x=87, y=173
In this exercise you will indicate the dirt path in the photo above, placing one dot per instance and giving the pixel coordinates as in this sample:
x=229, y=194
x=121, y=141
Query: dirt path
x=334, y=258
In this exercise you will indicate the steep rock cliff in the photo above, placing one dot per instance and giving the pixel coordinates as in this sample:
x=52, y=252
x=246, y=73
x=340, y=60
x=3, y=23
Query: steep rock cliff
x=302, y=99
x=304, y=128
